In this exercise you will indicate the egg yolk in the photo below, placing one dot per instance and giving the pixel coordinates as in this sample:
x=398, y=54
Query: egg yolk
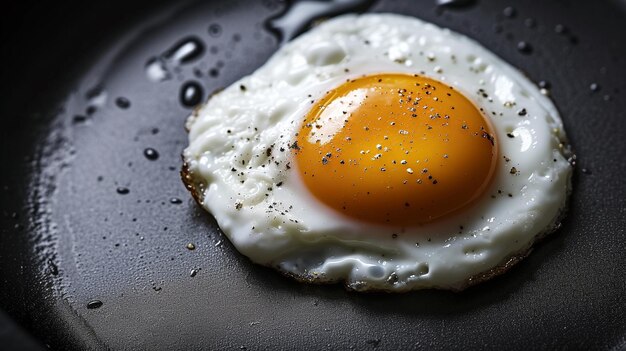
x=395, y=149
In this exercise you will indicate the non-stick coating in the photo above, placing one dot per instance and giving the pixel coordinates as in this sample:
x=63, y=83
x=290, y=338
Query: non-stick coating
x=68, y=237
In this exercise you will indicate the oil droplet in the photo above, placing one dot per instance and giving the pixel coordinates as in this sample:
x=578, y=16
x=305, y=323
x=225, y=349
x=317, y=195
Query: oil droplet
x=524, y=47
x=509, y=12
x=176, y=201
x=185, y=50
x=93, y=304
x=122, y=102
x=301, y=14
x=79, y=119
x=594, y=87
x=123, y=191
x=455, y=3
x=191, y=94
x=151, y=154
x=215, y=30
x=586, y=171
x=156, y=70
x=193, y=273
x=191, y=246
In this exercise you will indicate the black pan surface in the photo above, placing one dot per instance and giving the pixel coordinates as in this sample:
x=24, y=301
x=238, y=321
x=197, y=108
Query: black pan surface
x=93, y=243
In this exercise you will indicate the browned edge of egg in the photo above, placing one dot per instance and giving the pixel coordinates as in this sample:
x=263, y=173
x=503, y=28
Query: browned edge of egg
x=196, y=187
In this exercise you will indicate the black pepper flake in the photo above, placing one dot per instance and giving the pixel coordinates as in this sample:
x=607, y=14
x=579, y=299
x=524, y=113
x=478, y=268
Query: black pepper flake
x=513, y=170
x=294, y=145
x=238, y=205
x=522, y=112
x=279, y=184
x=510, y=135
x=324, y=160
x=489, y=137
x=243, y=87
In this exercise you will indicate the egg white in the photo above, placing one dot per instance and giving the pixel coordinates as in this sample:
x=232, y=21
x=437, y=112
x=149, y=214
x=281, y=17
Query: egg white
x=240, y=150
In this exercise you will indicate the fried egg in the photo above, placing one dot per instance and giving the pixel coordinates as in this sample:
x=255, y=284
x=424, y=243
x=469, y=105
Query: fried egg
x=382, y=152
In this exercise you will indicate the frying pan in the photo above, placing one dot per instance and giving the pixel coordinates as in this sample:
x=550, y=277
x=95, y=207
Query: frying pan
x=94, y=240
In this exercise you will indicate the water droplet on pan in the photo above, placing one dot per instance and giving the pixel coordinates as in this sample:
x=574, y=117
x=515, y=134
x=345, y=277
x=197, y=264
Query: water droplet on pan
x=79, y=119
x=215, y=30
x=185, y=50
x=455, y=3
x=294, y=20
x=509, y=12
x=122, y=102
x=122, y=190
x=524, y=47
x=151, y=154
x=93, y=304
x=191, y=94
x=156, y=70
